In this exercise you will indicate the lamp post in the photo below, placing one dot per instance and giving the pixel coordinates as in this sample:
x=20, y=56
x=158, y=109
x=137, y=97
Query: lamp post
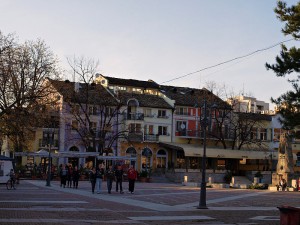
x=50, y=140
x=202, y=202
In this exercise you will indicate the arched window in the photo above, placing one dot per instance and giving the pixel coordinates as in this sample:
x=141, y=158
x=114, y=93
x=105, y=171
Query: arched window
x=130, y=152
x=146, y=158
x=180, y=159
x=161, y=157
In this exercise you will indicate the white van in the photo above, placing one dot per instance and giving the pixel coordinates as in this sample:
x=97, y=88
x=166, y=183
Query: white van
x=6, y=164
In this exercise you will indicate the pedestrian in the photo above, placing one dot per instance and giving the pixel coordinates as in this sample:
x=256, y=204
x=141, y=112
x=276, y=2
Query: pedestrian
x=132, y=176
x=119, y=178
x=63, y=176
x=69, y=176
x=110, y=176
x=76, y=175
x=93, y=179
x=99, y=177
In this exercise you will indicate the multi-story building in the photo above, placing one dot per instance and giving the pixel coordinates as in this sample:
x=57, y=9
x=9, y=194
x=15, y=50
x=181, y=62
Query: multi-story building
x=249, y=105
x=162, y=127
x=147, y=117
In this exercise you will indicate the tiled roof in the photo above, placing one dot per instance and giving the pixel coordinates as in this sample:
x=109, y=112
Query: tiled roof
x=131, y=82
x=255, y=116
x=145, y=100
x=96, y=94
x=185, y=96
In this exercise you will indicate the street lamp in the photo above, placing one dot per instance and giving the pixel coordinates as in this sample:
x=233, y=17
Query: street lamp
x=202, y=202
x=50, y=141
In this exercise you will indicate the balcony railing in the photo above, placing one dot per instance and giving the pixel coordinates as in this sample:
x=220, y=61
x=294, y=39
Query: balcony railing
x=135, y=136
x=151, y=137
x=45, y=143
x=134, y=116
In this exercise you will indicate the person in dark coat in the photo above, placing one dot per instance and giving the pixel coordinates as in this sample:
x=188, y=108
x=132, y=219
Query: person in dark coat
x=93, y=179
x=110, y=176
x=69, y=176
x=76, y=175
x=119, y=179
x=63, y=176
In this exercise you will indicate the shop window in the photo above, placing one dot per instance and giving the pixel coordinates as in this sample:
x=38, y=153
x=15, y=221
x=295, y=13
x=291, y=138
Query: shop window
x=194, y=162
x=161, y=160
x=180, y=159
x=221, y=164
x=146, y=158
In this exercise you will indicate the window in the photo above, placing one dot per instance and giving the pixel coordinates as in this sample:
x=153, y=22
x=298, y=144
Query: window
x=93, y=126
x=138, y=90
x=147, y=113
x=74, y=125
x=146, y=158
x=149, y=129
x=162, y=114
x=253, y=134
x=181, y=111
x=162, y=130
x=263, y=134
x=92, y=110
x=180, y=125
x=161, y=160
x=180, y=159
x=108, y=111
x=298, y=159
x=122, y=88
x=135, y=128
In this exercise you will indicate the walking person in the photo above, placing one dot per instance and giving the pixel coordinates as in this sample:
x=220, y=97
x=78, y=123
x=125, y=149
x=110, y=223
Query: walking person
x=132, y=176
x=76, y=175
x=63, y=176
x=99, y=177
x=93, y=179
x=119, y=178
x=110, y=176
x=69, y=176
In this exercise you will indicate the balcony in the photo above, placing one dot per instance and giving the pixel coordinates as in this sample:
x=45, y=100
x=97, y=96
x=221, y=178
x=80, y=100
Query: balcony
x=135, y=136
x=134, y=116
x=151, y=137
x=44, y=143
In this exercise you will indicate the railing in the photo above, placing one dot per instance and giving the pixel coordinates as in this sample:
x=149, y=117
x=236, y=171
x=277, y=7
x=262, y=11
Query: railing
x=134, y=116
x=151, y=137
x=45, y=143
x=137, y=136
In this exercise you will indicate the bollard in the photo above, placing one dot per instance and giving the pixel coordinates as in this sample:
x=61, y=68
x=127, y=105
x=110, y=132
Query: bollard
x=289, y=215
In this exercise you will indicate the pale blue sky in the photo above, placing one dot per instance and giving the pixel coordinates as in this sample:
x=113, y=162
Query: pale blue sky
x=159, y=39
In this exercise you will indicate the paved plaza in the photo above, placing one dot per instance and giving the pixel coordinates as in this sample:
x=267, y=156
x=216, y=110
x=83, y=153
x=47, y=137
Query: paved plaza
x=152, y=203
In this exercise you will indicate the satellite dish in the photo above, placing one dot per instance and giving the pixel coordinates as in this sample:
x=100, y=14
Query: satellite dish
x=182, y=126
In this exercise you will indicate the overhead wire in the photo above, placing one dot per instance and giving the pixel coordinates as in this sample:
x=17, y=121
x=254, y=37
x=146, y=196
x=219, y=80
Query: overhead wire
x=228, y=61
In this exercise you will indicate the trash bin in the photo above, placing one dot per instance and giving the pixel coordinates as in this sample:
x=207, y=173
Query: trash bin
x=289, y=215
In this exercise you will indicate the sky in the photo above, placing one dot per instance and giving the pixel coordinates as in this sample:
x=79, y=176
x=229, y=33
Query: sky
x=161, y=40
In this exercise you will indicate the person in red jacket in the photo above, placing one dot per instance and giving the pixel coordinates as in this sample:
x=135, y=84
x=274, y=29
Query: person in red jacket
x=132, y=176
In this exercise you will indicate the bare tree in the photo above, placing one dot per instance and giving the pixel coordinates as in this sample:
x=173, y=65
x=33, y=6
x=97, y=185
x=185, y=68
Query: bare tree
x=232, y=128
x=94, y=109
x=23, y=69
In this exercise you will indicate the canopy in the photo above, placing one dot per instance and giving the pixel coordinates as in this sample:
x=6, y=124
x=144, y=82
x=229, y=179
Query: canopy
x=191, y=150
x=72, y=154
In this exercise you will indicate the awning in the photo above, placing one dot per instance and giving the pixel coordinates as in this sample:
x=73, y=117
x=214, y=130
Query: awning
x=191, y=150
x=116, y=158
x=73, y=154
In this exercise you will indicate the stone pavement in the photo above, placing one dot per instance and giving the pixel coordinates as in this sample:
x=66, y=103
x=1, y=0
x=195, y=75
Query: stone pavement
x=153, y=203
